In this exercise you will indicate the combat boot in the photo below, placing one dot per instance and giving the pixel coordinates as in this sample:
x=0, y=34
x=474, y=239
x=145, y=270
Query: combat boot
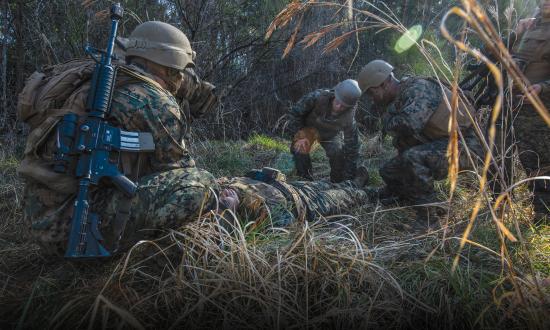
x=304, y=168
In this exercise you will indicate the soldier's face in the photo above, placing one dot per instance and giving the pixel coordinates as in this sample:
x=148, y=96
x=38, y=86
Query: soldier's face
x=338, y=107
x=378, y=94
x=174, y=79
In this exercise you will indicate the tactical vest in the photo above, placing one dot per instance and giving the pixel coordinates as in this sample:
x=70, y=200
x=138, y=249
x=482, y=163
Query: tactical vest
x=534, y=49
x=438, y=125
x=320, y=118
x=45, y=98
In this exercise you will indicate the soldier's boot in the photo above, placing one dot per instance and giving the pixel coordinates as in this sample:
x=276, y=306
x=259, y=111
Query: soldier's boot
x=361, y=176
x=337, y=166
x=541, y=206
x=304, y=168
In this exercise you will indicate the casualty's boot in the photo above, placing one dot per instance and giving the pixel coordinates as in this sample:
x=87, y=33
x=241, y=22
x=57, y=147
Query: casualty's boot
x=304, y=168
x=361, y=176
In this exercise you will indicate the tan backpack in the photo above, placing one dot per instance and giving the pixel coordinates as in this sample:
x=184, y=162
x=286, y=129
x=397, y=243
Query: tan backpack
x=41, y=105
x=46, y=97
x=49, y=89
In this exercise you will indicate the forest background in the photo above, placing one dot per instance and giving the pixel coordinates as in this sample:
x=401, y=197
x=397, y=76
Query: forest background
x=255, y=84
x=365, y=268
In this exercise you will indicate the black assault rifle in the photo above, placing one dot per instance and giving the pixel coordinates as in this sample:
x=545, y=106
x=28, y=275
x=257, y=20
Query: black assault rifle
x=95, y=146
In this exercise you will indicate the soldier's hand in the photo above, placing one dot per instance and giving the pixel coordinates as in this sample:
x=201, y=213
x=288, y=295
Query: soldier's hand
x=534, y=89
x=229, y=199
x=301, y=146
x=524, y=25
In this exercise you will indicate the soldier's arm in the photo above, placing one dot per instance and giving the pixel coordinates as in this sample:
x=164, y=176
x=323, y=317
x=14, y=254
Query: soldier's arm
x=298, y=113
x=351, y=148
x=141, y=108
x=419, y=102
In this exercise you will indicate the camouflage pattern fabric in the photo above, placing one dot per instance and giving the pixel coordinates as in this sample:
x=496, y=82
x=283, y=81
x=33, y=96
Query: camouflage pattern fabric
x=411, y=174
x=171, y=188
x=532, y=135
x=420, y=160
x=410, y=112
x=334, y=149
x=262, y=201
x=314, y=111
x=165, y=200
x=533, y=143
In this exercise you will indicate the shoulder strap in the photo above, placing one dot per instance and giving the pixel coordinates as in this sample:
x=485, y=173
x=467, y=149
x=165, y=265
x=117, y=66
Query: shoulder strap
x=129, y=72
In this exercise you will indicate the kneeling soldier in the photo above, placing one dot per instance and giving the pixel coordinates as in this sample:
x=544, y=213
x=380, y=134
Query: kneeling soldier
x=417, y=118
x=321, y=116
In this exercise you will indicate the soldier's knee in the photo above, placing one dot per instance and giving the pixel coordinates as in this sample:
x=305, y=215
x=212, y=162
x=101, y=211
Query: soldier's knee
x=334, y=151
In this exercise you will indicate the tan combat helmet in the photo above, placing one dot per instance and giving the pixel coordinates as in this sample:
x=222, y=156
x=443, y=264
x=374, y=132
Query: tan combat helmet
x=161, y=43
x=373, y=74
x=347, y=92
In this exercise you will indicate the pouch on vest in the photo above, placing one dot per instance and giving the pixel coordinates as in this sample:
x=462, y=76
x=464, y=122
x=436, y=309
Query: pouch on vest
x=439, y=123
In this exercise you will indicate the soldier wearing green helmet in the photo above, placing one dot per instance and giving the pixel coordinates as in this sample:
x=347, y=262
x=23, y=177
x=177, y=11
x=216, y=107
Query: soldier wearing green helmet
x=171, y=190
x=321, y=116
x=417, y=118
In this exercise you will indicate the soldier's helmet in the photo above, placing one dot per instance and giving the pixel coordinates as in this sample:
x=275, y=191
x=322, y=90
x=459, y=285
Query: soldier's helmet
x=161, y=43
x=347, y=92
x=374, y=74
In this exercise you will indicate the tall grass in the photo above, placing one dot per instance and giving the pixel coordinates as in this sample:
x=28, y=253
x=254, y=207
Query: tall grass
x=367, y=268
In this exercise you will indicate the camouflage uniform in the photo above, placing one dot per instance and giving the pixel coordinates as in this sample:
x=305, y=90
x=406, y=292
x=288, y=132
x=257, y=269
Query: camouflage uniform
x=314, y=198
x=421, y=158
x=171, y=190
x=532, y=134
x=312, y=115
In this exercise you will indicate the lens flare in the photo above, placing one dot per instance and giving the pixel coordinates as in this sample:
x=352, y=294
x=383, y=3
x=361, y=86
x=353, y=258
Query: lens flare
x=408, y=39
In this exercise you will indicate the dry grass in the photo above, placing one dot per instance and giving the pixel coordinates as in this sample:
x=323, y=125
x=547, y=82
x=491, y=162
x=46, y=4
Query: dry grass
x=365, y=269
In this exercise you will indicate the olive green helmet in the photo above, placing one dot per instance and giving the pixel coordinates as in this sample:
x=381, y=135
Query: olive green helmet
x=347, y=92
x=161, y=43
x=374, y=74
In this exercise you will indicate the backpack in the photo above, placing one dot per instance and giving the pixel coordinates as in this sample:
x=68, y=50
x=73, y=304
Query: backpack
x=46, y=97
x=41, y=105
x=48, y=90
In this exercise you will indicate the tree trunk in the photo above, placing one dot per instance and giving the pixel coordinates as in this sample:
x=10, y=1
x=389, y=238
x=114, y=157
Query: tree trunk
x=5, y=28
x=350, y=9
x=19, y=47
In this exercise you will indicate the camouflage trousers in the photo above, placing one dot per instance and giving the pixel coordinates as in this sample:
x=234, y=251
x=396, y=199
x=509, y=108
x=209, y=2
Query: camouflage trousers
x=323, y=198
x=533, y=142
x=411, y=174
x=268, y=201
x=334, y=149
x=164, y=200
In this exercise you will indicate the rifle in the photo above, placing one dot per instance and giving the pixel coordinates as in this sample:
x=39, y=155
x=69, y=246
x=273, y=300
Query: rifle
x=96, y=151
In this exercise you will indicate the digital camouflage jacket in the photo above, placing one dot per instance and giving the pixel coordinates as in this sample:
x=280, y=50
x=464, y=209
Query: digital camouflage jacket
x=314, y=110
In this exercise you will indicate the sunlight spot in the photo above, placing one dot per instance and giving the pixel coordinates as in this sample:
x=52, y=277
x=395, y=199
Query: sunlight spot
x=408, y=39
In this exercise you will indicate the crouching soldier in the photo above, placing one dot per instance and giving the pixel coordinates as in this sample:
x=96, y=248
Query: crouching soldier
x=266, y=196
x=171, y=191
x=321, y=116
x=417, y=118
